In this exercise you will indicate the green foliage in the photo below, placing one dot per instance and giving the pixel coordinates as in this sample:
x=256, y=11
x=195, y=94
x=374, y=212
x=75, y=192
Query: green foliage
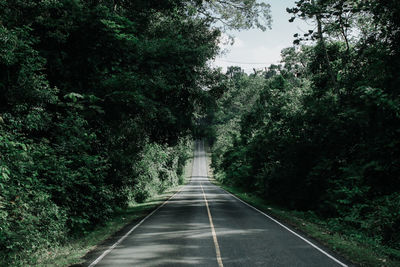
x=158, y=169
x=237, y=14
x=30, y=220
x=320, y=132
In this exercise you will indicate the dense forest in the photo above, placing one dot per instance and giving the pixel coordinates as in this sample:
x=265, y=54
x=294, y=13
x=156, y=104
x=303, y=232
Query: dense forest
x=320, y=132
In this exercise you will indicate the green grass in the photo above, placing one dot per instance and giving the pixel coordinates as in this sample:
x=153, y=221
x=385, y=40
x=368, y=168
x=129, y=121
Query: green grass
x=74, y=251
x=356, y=250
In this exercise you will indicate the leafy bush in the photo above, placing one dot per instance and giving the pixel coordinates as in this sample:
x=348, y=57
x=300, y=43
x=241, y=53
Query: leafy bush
x=160, y=167
x=30, y=220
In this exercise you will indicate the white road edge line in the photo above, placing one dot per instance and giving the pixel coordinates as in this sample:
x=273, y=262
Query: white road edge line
x=280, y=224
x=214, y=235
x=291, y=231
x=130, y=231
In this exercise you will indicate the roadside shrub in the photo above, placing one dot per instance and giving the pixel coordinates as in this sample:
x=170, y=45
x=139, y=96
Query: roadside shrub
x=159, y=167
x=29, y=219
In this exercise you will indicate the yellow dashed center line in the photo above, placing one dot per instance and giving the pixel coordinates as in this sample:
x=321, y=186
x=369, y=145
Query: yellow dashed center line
x=214, y=235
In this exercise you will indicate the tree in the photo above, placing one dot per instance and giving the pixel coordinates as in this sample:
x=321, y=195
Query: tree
x=233, y=14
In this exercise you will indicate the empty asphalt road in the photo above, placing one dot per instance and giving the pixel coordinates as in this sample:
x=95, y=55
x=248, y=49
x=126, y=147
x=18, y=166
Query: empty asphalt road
x=202, y=225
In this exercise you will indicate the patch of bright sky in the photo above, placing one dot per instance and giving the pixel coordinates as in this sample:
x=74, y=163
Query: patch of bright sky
x=255, y=46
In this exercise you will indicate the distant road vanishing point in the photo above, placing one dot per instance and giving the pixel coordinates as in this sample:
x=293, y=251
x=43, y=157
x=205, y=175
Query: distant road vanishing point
x=203, y=225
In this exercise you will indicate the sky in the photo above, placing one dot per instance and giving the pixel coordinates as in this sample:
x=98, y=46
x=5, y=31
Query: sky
x=255, y=46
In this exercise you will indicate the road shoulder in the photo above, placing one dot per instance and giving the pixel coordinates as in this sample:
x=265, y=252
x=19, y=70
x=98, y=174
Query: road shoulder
x=83, y=251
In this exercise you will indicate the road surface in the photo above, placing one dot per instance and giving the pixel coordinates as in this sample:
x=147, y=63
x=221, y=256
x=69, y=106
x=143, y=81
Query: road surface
x=203, y=225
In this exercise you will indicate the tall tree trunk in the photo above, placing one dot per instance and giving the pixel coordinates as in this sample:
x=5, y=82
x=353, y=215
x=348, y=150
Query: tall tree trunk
x=321, y=40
